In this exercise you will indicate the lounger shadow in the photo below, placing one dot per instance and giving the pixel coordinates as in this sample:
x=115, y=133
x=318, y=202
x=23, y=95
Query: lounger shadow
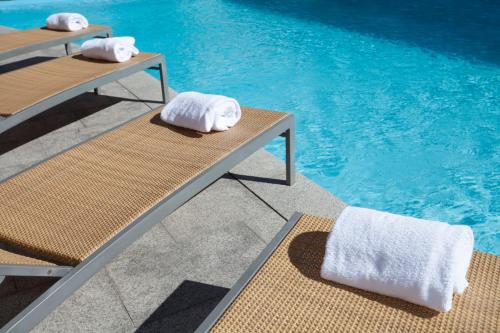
x=57, y=117
x=12, y=66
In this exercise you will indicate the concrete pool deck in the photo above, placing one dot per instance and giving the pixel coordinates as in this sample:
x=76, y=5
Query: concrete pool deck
x=172, y=277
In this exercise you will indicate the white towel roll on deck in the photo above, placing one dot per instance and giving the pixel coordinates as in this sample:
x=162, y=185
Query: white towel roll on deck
x=202, y=112
x=66, y=22
x=420, y=261
x=115, y=49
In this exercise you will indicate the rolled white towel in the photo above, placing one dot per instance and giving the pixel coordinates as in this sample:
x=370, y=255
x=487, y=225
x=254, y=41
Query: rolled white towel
x=116, y=49
x=423, y=262
x=66, y=22
x=202, y=112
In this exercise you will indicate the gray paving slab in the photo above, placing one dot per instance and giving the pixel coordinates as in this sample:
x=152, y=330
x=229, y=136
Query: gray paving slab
x=95, y=307
x=149, y=271
x=225, y=203
x=171, y=278
x=205, y=247
x=225, y=227
x=222, y=257
x=126, y=107
x=145, y=87
x=257, y=174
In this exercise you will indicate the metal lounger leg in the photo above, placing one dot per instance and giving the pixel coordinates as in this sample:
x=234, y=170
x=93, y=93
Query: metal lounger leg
x=290, y=155
x=163, y=81
x=108, y=34
x=67, y=47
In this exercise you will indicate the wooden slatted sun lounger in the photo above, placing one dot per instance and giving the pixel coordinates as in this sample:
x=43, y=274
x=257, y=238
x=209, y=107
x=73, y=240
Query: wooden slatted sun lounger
x=31, y=90
x=70, y=215
x=282, y=291
x=25, y=41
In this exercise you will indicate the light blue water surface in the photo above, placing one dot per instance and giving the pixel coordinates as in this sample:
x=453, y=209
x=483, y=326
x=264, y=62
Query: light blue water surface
x=397, y=105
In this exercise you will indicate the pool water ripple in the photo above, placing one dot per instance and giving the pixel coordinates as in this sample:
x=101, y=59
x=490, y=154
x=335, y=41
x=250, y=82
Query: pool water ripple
x=397, y=103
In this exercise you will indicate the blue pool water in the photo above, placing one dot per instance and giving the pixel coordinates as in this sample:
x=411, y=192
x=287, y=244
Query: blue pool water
x=397, y=102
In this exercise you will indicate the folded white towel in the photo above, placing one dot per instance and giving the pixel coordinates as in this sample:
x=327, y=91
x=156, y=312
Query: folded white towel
x=423, y=262
x=66, y=22
x=116, y=49
x=202, y=112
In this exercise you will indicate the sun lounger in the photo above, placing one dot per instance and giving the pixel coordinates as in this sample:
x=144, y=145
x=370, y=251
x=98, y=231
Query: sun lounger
x=25, y=41
x=31, y=90
x=282, y=291
x=73, y=213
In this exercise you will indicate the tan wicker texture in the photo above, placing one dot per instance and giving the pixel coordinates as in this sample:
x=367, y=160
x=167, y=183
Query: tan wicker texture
x=23, y=38
x=288, y=295
x=27, y=86
x=69, y=206
x=8, y=258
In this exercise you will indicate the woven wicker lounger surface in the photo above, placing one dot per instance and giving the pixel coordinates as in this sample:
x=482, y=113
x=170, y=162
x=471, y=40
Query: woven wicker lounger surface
x=27, y=86
x=288, y=295
x=67, y=207
x=18, y=42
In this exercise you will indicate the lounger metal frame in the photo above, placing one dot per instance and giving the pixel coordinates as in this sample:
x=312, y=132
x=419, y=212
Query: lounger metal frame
x=104, y=32
x=73, y=278
x=238, y=287
x=157, y=63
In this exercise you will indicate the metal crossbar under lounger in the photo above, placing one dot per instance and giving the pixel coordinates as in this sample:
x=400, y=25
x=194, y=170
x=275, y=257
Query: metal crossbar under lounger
x=31, y=90
x=25, y=41
x=282, y=291
x=72, y=214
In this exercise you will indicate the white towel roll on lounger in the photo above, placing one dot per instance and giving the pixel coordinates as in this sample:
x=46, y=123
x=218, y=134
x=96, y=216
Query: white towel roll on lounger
x=202, y=112
x=115, y=49
x=66, y=22
x=420, y=261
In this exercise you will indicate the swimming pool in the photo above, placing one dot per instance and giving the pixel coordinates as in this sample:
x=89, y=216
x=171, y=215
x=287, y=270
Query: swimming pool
x=397, y=104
